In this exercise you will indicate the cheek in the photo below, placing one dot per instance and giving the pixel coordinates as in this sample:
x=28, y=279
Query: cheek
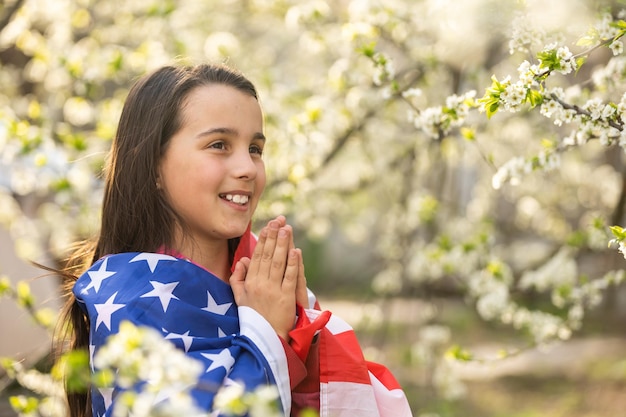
x=179, y=181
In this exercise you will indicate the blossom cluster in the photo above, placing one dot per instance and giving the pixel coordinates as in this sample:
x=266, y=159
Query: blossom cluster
x=438, y=121
x=516, y=168
x=140, y=355
x=524, y=35
x=157, y=378
x=51, y=395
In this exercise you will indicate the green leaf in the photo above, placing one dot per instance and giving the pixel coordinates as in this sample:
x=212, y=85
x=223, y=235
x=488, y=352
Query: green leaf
x=598, y=223
x=491, y=99
x=24, y=297
x=492, y=109
x=548, y=144
x=577, y=239
x=116, y=63
x=618, y=232
x=549, y=59
x=73, y=368
x=60, y=184
x=5, y=285
x=45, y=317
x=8, y=364
x=368, y=50
x=458, y=353
x=564, y=291
x=534, y=97
x=494, y=268
x=24, y=405
x=468, y=134
x=580, y=61
x=618, y=24
x=445, y=243
x=585, y=41
x=590, y=38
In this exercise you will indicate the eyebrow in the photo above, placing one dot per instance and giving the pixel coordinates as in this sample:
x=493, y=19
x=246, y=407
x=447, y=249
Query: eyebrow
x=228, y=131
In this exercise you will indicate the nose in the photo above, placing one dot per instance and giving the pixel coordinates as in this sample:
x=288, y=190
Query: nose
x=243, y=164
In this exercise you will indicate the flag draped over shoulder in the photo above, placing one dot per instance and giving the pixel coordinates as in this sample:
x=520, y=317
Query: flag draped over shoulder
x=196, y=311
x=193, y=309
x=350, y=386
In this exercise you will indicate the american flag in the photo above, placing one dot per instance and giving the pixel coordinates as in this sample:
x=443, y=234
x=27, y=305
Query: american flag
x=196, y=311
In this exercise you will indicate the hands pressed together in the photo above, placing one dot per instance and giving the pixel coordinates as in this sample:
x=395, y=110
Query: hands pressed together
x=273, y=281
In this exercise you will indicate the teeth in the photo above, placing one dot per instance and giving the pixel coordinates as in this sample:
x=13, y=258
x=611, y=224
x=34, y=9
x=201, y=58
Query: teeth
x=237, y=198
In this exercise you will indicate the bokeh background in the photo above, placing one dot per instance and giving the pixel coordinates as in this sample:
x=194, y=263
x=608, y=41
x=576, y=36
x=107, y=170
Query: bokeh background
x=486, y=299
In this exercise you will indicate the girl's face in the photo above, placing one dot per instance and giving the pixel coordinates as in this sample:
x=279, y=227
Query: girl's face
x=212, y=173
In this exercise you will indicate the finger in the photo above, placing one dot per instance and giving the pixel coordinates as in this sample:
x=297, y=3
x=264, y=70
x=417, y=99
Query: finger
x=267, y=255
x=282, y=221
x=291, y=272
x=257, y=254
x=279, y=261
x=302, y=294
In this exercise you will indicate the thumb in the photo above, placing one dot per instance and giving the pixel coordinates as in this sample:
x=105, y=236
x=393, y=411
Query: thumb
x=302, y=294
x=237, y=280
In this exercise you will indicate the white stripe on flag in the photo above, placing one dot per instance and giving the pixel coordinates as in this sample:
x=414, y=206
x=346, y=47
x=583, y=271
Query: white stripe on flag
x=347, y=399
x=391, y=403
x=335, y=325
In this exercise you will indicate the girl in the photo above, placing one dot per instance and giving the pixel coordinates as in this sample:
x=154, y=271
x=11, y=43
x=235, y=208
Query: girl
x=175, y=253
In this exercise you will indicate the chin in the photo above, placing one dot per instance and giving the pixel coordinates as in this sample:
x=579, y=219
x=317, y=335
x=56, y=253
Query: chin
x=237, y=232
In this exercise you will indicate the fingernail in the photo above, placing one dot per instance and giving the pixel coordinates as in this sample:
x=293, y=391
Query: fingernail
x=273, y=225
x=282, y=233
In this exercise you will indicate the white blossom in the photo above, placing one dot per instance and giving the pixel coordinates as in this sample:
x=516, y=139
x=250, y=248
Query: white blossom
x=617, y=47
x=523, y=34
x=566, y=62
x=604, y=28
x=514, y=96
x=384, y=70
x=412, y=92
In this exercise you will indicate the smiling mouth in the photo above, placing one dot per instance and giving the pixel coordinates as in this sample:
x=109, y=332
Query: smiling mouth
x=236, y=198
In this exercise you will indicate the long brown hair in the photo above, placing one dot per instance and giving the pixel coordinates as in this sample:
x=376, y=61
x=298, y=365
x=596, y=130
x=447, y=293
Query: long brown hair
x=135, y=215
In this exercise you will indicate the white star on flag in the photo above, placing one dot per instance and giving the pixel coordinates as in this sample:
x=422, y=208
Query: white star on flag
x=107, y=395
x=229, y=382
x=106, y=310
x=187, y=340
x=152, y=259
x=163, y=291
x=223, y=359
x=213, y=307
x=98, y=276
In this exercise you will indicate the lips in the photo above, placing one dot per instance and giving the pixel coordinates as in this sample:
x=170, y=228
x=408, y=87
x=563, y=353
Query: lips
x=241, y=199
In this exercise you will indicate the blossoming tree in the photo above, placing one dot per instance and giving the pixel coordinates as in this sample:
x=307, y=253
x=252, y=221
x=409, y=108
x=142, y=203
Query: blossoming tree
x=473, y=149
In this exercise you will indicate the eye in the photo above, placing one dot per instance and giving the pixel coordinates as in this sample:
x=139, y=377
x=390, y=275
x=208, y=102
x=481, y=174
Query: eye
x=217, y=145
x=256, y=149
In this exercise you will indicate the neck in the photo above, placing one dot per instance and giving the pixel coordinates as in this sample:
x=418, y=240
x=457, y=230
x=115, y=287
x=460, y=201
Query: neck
x=212, y=255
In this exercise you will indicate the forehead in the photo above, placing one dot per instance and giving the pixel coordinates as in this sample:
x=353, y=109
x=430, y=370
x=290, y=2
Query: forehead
x=219, y=96
x=221, y=106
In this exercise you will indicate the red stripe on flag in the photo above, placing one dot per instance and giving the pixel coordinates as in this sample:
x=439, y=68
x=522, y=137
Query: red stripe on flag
x=383, y=375
x=341, y=359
